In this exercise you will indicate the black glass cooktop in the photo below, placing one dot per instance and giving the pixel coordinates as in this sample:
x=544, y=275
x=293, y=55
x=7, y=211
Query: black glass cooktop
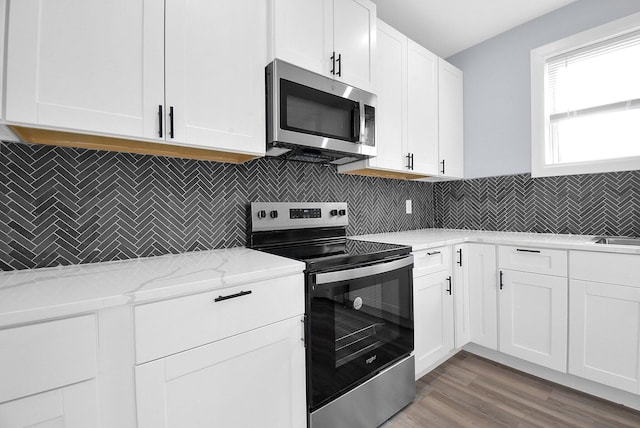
x=336, y=254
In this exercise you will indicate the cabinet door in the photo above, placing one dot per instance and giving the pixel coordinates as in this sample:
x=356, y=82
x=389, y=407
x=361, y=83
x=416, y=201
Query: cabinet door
x=215, y=59
x=533, y=318
x=74, y=406
x=354, y=38
x=391, y=89
x=461, y=302
x=450, y=99
x=3, y=22
x=433, y=320
x=481, y=273
x=254, y=379
x=422, y=110
x=604, y=334
x=94, y=66
x=302, y=33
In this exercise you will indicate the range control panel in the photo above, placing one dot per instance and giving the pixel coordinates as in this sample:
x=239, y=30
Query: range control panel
x=305, y=213
x=297, y=215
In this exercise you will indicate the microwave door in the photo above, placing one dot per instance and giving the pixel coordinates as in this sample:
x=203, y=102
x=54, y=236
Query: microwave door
x=310, y=111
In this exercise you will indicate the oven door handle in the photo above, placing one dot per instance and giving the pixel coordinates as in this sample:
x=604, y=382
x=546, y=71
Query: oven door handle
x=345, y=275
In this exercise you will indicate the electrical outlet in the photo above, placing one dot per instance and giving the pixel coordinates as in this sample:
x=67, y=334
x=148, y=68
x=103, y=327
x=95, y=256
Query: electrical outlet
x=408, y=206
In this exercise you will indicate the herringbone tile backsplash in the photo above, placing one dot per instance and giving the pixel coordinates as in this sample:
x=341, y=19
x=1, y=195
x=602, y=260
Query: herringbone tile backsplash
x=593, y=204
x=61, y=206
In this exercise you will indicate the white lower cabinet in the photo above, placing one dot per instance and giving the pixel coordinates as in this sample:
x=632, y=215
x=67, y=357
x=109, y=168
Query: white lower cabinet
x=604, y=334
x=433, y=319
x=254, y=379
x=461, y=302
x=533, y=318
x=482, y=276
x=48, y=374
x=73, y=406
x=604, y=313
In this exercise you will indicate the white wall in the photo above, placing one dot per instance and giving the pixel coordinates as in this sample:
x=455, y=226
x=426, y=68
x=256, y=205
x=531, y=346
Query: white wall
x=497, y=93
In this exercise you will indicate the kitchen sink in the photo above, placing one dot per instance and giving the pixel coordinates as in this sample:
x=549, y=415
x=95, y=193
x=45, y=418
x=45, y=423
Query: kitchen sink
x=617, y=240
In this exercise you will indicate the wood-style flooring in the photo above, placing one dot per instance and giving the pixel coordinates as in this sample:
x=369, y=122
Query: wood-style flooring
x=470, y=391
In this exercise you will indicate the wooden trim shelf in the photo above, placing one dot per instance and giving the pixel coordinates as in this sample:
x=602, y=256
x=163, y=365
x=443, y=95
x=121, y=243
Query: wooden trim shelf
x=370, y=172
x=96, y=142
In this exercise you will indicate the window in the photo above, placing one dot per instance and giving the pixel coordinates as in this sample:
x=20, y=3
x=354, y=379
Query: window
x=585, y=93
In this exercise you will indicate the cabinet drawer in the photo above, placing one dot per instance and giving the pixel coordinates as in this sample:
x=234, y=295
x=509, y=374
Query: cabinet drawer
x=431, y=260
x=534, y=260
x=175, y=325
x=45, y=356
x=623, y=269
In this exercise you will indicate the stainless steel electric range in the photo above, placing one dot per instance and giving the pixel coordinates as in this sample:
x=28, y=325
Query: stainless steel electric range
x=358, y=312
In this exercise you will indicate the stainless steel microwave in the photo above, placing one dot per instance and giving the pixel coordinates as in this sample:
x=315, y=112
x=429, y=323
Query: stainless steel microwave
x=314, y=118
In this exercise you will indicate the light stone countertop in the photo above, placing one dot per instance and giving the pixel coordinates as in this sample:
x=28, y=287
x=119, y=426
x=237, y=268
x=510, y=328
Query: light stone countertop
x=38, y=294
x=429, y=238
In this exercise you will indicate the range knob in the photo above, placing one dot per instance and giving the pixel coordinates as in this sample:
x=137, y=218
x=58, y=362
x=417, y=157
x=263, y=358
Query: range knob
x=333, y=213
x=273, y=214
x=342, y=212
x=262, y=214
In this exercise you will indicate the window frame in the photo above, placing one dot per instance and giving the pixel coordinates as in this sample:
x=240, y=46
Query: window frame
x=539, y=121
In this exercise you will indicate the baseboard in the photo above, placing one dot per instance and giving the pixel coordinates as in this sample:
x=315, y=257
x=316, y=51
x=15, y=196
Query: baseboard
x=592, y=388
x=437, y=363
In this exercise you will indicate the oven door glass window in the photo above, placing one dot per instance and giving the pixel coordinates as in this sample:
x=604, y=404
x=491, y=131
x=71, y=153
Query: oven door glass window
x=310, y=111
x=357, y=328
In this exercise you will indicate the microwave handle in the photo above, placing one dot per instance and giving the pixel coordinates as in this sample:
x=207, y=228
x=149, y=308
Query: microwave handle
x=356, y=119
x=362, y=123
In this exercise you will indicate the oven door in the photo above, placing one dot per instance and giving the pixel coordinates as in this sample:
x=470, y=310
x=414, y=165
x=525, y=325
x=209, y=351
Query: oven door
x=360, y=321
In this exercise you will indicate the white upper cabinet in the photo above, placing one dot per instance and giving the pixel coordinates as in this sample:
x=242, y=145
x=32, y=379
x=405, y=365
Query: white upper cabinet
x=302, y=33
x=215, y=58
x=391, y=88
x=422, y=100
x=92, y=66
x=450, y=120
x=184, y=73
x=419, y=112
x=3, y=22
x=336, y=38
x=354, y=32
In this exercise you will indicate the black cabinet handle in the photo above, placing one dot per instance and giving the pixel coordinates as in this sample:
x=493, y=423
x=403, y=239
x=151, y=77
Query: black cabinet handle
x=411, y=161
x=231, y=296
x=160, y=120
x=333, y=63
x=442, y=162
x=449, y=289
x=339, y=61
x=408, y=160
x=171, y=121
x=501, y=283
x=433, y=253
x=459, y=257
x=523, y=250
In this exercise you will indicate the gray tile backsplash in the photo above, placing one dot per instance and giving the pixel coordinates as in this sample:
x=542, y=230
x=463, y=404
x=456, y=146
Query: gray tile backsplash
x=61, y=206
x=579, y=204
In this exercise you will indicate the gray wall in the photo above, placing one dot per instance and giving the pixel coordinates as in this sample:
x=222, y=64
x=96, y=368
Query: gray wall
x=497, y=97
